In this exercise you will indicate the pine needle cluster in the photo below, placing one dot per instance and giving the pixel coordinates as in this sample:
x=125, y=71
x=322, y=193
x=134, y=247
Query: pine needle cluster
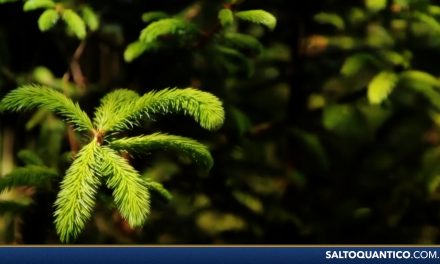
x=77, y=21
x=100, y=161
x=224, y=41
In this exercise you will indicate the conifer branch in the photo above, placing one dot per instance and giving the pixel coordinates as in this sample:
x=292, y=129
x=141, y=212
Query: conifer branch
x=75, y=23
x=204, y=107
x=27, y=176
x=259, y=17
x=114, y=108
x=36, y=4
x=226, y=17
x=27, y=97
x=48, y=19
x=153, y=16
x=29, y=158
x=243, y=42
x=75, y=201
x=162, y=27
x=137, y=48
x=91, y=19
x=143, y=144
x=158, y=187
x=129, y=190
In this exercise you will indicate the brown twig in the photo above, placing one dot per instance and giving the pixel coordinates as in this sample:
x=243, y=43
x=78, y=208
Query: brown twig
x=75, y=67
x=73, y=143
x=75, y=72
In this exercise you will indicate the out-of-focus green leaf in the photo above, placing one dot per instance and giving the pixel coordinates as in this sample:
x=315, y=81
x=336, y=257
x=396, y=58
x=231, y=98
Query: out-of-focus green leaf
x=48, y=19
x=434, y=10
x=29, y=157
x=355, y=63
x=263, y=185
x=37, y=118
x=434, y=184
x=75, y=23
x=242, y=121
x=343, y=42
x=134, y=50
x=313, y=145
x=161, y=171
x=379, y=37
x=331, y=19
x=259, y=17
x=166, y=26
x=236, y=57
x=43, y=75
x=356, y=16
x=381, y=86
x=423, y=83
x=226, y=17
x=216, y=222
x=90, y=18
x=413, y=76
x=376, y=5
x=344, y=119
x=250, y=201
x=430, y=22
x=375, y=116
x=316, y=101
x=158, y=188
x=395, y=58
x=431, y=94
x=243, y=42
x=36, y=4
x=153, y=16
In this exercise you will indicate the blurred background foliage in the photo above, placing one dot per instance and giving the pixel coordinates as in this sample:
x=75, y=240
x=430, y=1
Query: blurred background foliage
x=331, y=135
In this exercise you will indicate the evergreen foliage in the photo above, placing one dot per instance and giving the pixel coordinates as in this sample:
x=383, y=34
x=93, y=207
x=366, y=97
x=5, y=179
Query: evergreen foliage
x=97, y=153
x=226, y=17
x=332, y=19
x=114, y=109
x=99, y=159
x=29, y=158
x=27, y=97
x=159, y=188
x=376, y=5
x=240, y=58
x=54, y=11
x=129, y=190
x=358, y=79
x=143, y=144
x=189, y=35
x=242, y=42
x=173, y=26
x=415, y=76
x=37, y=4
x=31, y=175
x=381, y=86
x=135, y=50
x=354, y=64
x=48, y=19
x=153, y=16
x=91, y=19
x=204, y=107
x=75, y=23
x=259, y=17
x=76, y=199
